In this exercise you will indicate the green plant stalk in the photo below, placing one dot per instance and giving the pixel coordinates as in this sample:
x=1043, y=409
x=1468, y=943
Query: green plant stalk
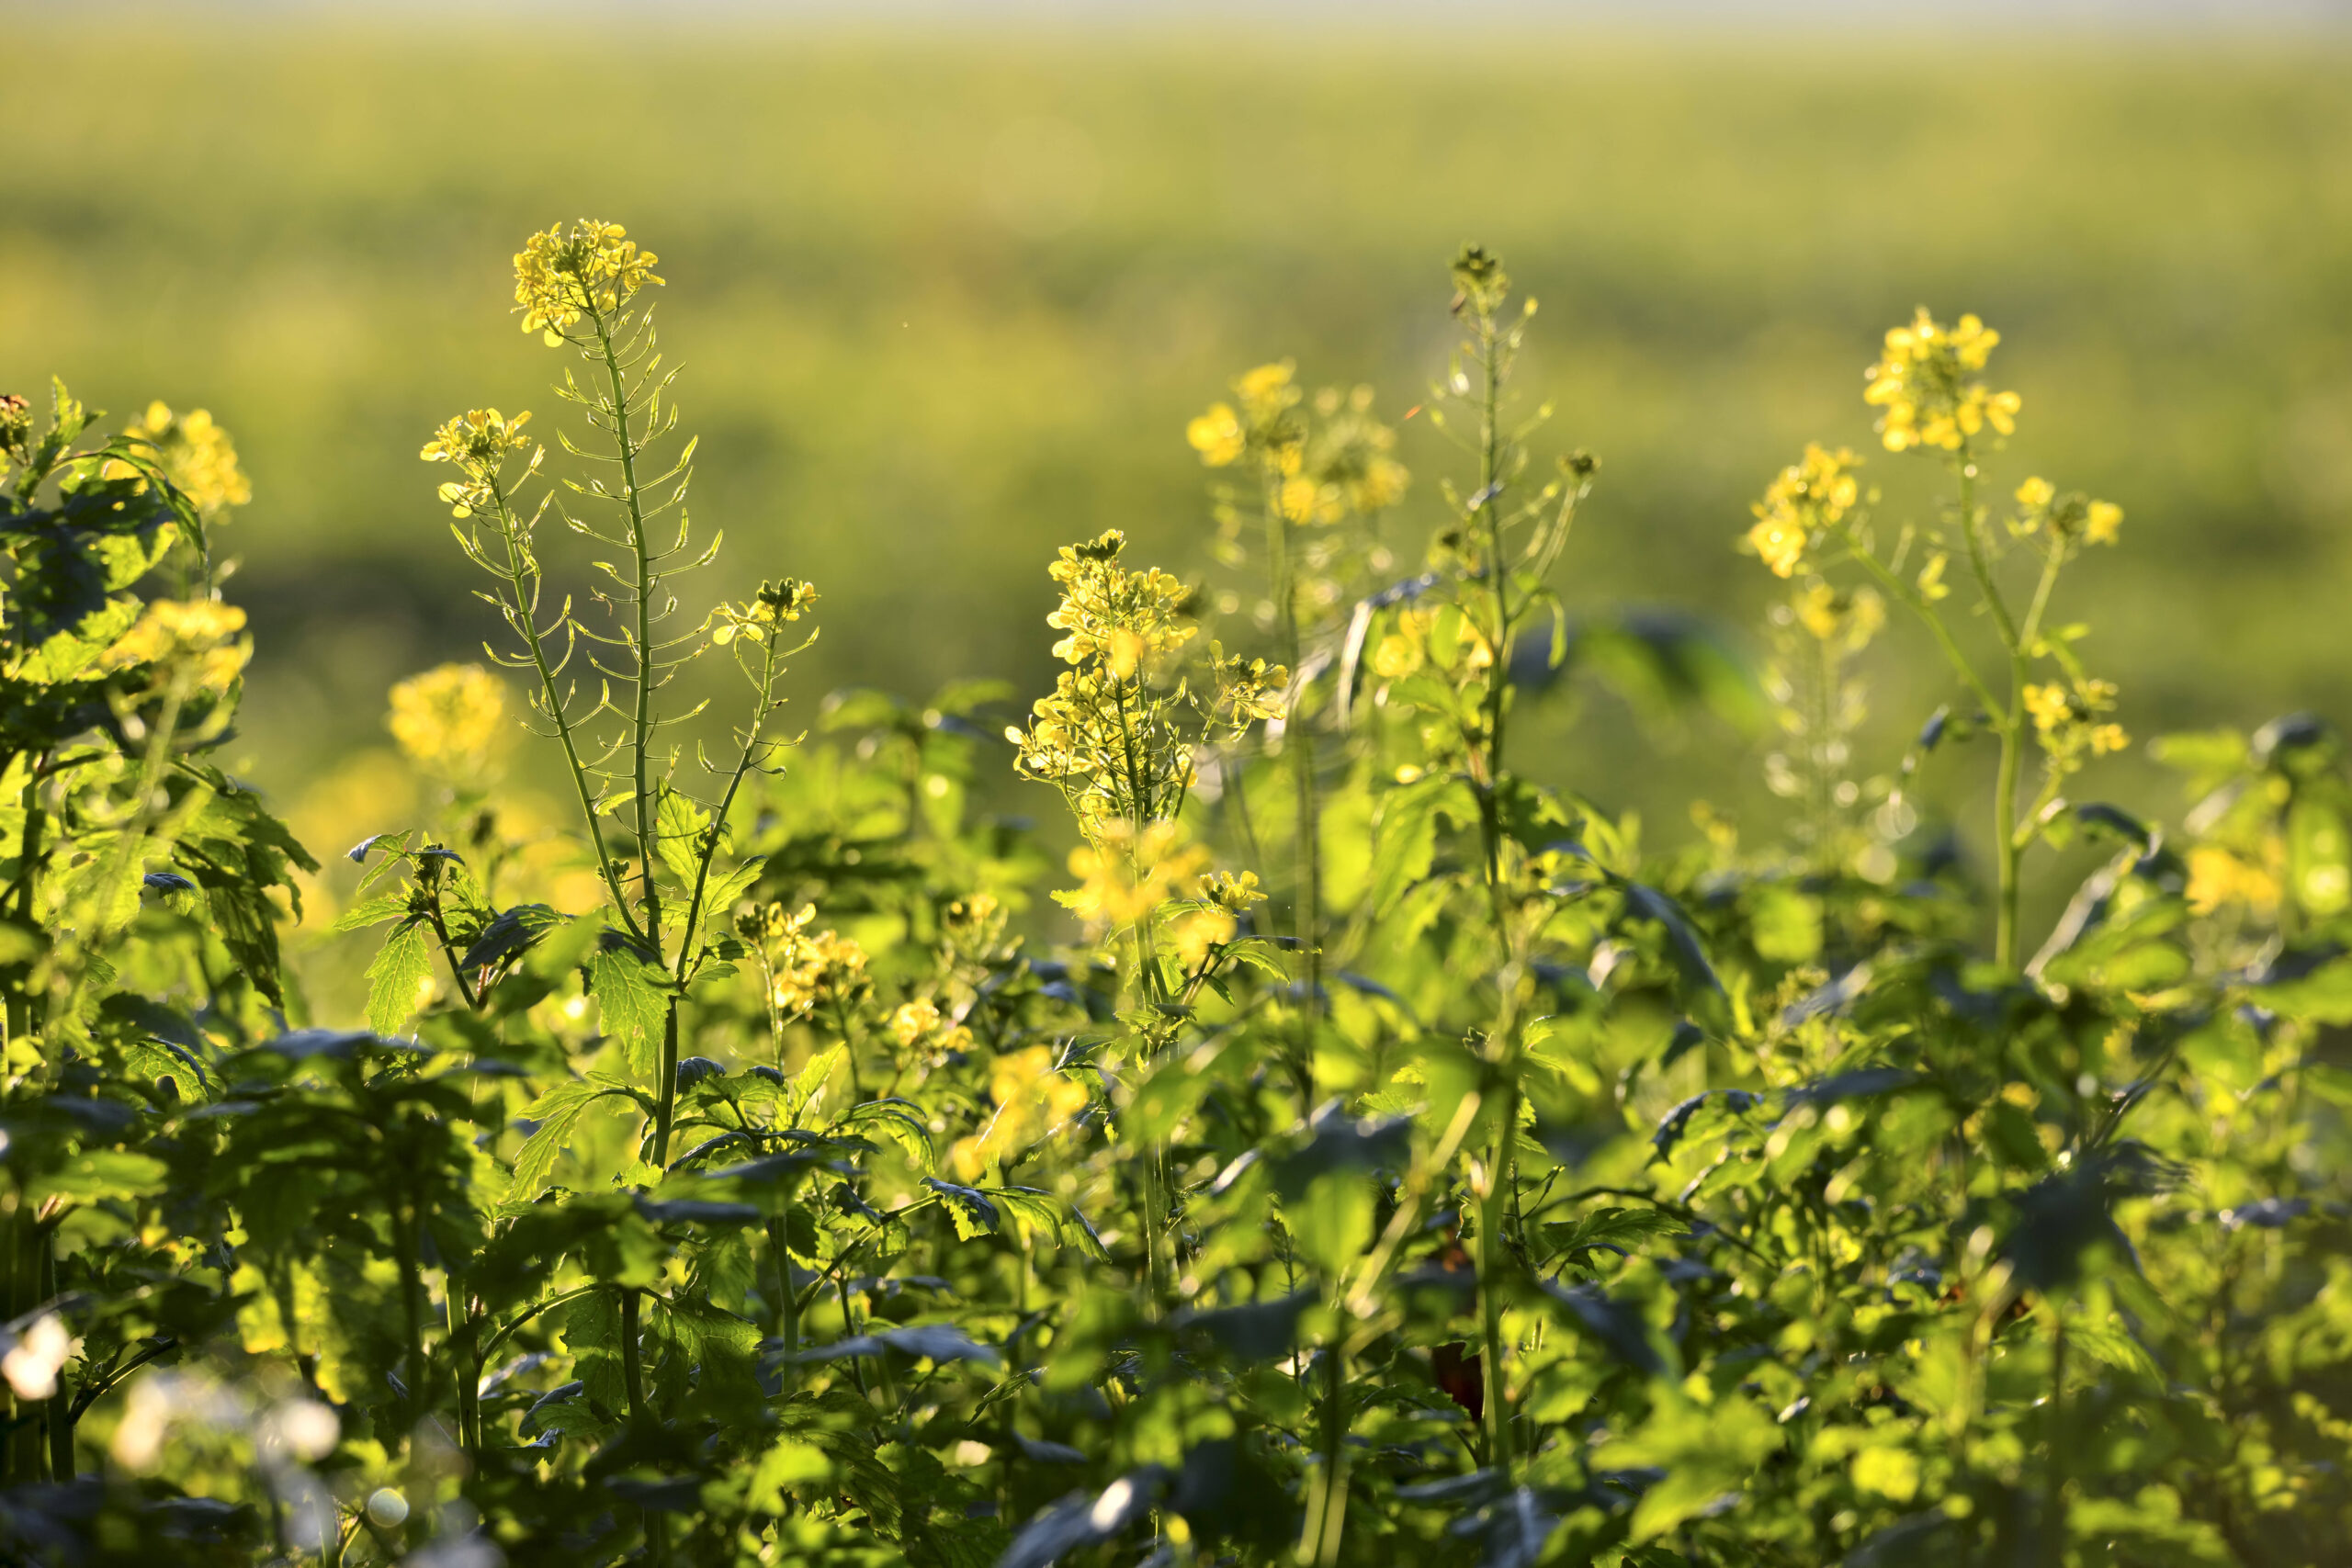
x=657, y=1533
x=518, y=562
x=57, y=1418
x=787, y=1318
x=405, y=1222
x=2009, y=721
x=1502, y=1041
x=1328, y=1498
x=1306, y=897
x=641, y=728
x=2054, y=1527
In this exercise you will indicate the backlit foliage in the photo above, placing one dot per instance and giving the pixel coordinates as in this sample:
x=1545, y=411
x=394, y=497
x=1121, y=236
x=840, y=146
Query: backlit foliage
x=1367, y=1152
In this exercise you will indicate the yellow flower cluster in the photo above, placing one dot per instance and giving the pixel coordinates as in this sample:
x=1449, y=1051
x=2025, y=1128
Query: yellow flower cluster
x=1106, y=734
x=195, y=453
x=1813, y=493
x=449, y=719
x=1923, y=385
x=592, y=268
x=1323, y=468
x=479, y=443
x=1032, y=1100
x=809, y=970
x=920, y=1024
x=2217, y=877
x=1248, y=688
x=2069, y=517
x=204, y=633
x=1846, y=619
x=1125, y=875
x=2071, y=721
x=775, y=604
x=1111, y=612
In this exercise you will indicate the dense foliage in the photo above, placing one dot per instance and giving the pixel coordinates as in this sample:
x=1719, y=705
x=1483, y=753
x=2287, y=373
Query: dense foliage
x=1401, y=1163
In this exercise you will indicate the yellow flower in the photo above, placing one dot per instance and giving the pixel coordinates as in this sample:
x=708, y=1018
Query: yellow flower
x=1780, y=542
x=808, y=971
x=1920, y=385
x=2036, y=493
x=203, y=632
x=1125, y=875
x=1235, y=891
x=2049, y=705
x=1031, y=1100
x=2071, y=723
x=772, y=605
x=562, y=274
x=914, y=1021
x=2217, y=877
x=1852, y=618
x=2105, y=517
x=1396, y=657
x=449, y=719
x=1816, y=492
x=1218, y=436
x=1266, y=392
x=1299, y=500
x=1193, y=936
x=195, y=453
x=478, y=442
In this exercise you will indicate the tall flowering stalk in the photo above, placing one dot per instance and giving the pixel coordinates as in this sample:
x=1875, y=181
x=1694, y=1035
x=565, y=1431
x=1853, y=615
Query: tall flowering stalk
x=1815, y=514
x=1324, y=472
x=578, y=287
x=1117, y=736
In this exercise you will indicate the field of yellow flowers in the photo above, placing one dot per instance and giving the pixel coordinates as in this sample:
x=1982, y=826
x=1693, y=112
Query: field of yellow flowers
x=1384, y=1152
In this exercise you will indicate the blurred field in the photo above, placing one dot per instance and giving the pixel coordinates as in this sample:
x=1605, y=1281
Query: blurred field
x=946, y=304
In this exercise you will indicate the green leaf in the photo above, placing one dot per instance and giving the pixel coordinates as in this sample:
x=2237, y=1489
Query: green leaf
x=633, y=999
x=98, y=1174
x=678, y=828
x=1690, y=956
x=969, y=1207
x=801, y=1094
x=1405, y=835
x=555, y=1112
x=371, y=912
x=396, y=980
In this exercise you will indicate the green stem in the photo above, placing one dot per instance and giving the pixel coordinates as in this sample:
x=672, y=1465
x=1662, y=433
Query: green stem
x=655, y=1528
x=1306, y=916
x=2054, y=1519
x=1328, y=1499
x=786, y=1319
x=519, y=565
x=2009, y=719
x=58, y=1419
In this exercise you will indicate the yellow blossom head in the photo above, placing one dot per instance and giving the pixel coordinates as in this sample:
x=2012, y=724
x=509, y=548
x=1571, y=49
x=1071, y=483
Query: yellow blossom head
x=775, y=604
x=1218, y=436
x=478, y=443
x=1125, y=875
x=196, y=455
x=590, y=268
x=451, y=719
x=1032, y=1102
x=201, y=634
x=915, y=1021
x=1814, y=494
x=1922, y=388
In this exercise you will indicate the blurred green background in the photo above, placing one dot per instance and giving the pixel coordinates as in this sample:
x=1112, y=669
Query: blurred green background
x=946, y=300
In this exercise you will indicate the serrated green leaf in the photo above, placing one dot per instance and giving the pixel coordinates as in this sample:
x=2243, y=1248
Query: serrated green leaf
x=397, y=979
